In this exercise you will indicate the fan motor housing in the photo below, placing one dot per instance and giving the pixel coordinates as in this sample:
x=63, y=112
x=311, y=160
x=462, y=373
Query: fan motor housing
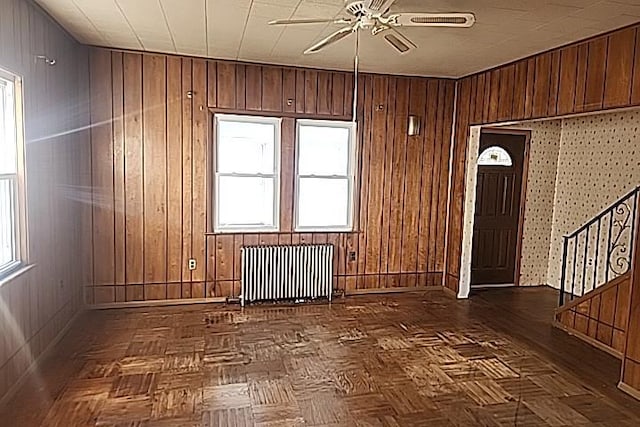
x=356, y=8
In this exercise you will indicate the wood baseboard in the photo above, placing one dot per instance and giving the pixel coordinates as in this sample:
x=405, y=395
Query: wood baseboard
x=449, y=292
x=597, y=344
x=38, y=361
x=392, y=290
x=157, y=303
x=629, y=390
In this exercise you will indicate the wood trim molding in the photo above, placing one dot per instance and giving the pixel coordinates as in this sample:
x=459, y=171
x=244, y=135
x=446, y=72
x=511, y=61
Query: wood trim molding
x=629, y=390
x=356, y=292
x=588, y=340
x=158, y=303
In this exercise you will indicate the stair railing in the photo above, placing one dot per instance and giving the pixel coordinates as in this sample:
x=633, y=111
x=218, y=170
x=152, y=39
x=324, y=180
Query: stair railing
x=600, y=250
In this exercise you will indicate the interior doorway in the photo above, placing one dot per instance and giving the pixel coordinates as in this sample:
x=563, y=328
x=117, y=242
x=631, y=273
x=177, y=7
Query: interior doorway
x=499, y=207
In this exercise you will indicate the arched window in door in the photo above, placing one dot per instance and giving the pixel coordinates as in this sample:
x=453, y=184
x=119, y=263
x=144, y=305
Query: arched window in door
x=494, y=156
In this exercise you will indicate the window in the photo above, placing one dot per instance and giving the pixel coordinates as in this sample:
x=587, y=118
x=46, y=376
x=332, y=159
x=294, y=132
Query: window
x=494, y=156
x=247, y=173
x=324, y=175
x=11, y=251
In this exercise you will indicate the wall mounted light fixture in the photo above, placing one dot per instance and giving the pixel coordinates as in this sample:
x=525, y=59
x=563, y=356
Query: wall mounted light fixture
x=413, y=128
x=48, y=61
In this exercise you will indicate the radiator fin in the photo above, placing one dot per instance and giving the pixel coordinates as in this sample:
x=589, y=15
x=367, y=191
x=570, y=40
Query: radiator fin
x=271, y=273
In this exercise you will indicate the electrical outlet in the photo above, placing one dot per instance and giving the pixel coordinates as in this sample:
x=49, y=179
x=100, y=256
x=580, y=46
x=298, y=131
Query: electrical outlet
x=352, y=256
x=192, y=264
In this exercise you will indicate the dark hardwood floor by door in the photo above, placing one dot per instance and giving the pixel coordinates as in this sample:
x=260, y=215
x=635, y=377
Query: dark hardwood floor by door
x=419, y=359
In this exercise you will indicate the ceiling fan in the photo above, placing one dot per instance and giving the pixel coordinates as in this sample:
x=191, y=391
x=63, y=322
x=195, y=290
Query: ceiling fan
x=372, y=15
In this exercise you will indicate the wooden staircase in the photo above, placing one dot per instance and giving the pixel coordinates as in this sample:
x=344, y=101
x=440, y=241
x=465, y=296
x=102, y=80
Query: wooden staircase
x=595, y=285
x=600, y=316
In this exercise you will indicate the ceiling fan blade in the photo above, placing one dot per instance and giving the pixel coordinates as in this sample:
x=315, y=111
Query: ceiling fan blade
x=329, y=40
x=461, y=20
x=399, y=41
x=378, y=6
x=310, y=21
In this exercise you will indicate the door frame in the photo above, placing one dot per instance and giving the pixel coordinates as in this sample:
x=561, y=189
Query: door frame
x=470, y=202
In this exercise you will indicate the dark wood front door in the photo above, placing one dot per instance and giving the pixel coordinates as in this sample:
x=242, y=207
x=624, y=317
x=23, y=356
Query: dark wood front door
x=497, y=216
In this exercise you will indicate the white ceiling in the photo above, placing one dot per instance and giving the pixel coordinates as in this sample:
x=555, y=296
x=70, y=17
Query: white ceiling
x=238, y=30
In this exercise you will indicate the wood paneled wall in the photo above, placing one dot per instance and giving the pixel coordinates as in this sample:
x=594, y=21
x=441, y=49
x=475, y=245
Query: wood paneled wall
x=601, y=316
x=630, y=376
x=36, y=306
x=598, y=74
x=151, y=147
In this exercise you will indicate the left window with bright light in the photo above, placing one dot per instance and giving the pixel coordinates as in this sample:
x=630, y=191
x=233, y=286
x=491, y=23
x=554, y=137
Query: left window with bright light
x=247, y=170
x=11, y=149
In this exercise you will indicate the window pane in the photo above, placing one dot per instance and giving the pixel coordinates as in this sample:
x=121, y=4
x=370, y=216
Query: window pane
x=7, y=240
x=245, y=147
x=7, y=128
x=494, y=156
x=323, y=150
x=245, y=201
x=323, y=202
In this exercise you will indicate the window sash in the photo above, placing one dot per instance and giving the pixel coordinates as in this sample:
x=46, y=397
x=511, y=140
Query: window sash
x=9, y=195
x=219, y=227
x=349, y=177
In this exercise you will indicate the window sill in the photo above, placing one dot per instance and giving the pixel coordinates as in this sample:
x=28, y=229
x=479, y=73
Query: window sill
x=14, y=273
x=324, y=230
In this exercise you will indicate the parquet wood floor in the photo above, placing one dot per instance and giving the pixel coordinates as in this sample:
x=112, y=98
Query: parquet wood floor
x=420, y=359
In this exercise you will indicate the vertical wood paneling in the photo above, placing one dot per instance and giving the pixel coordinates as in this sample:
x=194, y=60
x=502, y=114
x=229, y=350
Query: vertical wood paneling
x=271, y=89
x=554, y=83
x=412, y=181
x=253, y=90
x=376, y=177
x=39, y=304
x=388, y=169
x=581, y=77
x=226, y=85
x=494, y=95
x=635, y=87
x=542, y=85
x=519, y=90
x=174, y=167
x=397, y=174
x=597, y=62
x=337, y=94
x=530, y=88
x=241, y=87
x=619, y=71
x=118, y=167
x=287, y=168
x=438, y=165
x=426, y=252
x=289, y=90
x=568, y=70
x=102, y=170
x=505, y=106
x=154, y=127
x=212, y=77
x=310, y=91
x=324, y=99
x=199, y=166
x=133, y=185
x=165, y=136
x=187, y=172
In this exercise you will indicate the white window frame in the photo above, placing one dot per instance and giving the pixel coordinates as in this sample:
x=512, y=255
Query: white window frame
x=17, y=179
x=249, y=228
x=350, y=176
